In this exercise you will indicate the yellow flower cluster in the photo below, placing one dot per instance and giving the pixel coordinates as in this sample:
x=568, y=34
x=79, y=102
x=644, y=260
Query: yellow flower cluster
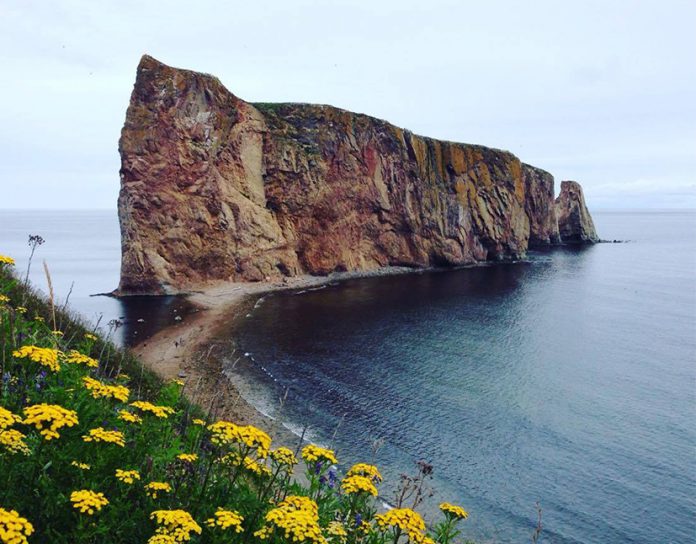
x=454, y=511
x=47, y=357
x=177, y=524
x=312, y=453
x=57, y=334
x=257, y=468
x=224, y=519
x=336, y=528
x=7, y=418
x=226, y=432
x=14, y=529
x=234, y=459
x=363, y=469
x=161, y=539
x=81, y=466
x=158, y=411
x=102, y=390
x=90, y=336
x=187, y=457
x=127, y=476
x=76, y=358
x=129, y=417
x=87, y=501
x=49, y=415
x=284, y=456
x=154, y=488
x=358, y=484
x=100, y=434
x=4, y=259
x=407, y=520
x=13, y=441
x=21, y=310
x=296, y=518
x=122, y=377
x=4, y=299
x=198, y=421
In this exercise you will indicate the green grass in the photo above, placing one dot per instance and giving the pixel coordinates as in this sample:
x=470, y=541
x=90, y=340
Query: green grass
x=45, y=360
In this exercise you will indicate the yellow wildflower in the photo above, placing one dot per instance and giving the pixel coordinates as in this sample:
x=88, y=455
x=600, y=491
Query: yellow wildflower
x=21, y=310
x=407, y=520
x=4, y=299
x=283, y=456
x=358, y=484
x=87, y=501
x=90, y=336
x=7, y=418
x=123, y=377
x=14, y=529
x=225, y=432
x=187, y=457
x=51, y=415
x=102, y=390
x=257, y=468
x=161, y=539
x=39, y=318
x=4, y=259
x=100, y=434
x=296, y=519
x=127, y=476
x=363, y=469
x=180, y=383
x=158, y=411
x=176, y=523
x=47, y=357
x=13, y=441
x=365, y=527
x=224, y=519
x=76, y=358
x=454, y=511
x=154, y=488
x=129, y=417
x=81, y=466
x=57, y=333
x=336, y=528
x=313, y=453
x=198, y=422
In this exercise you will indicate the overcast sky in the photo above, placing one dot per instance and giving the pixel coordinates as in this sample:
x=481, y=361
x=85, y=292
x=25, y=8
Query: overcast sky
x=601, y=92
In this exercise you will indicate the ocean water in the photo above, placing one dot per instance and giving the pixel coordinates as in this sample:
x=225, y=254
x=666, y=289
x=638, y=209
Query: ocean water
x=568, y=379
x=82, y=250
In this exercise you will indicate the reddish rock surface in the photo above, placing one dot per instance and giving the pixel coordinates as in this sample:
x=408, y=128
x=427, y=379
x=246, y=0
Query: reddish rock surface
x=215, y=188
x=575, y=223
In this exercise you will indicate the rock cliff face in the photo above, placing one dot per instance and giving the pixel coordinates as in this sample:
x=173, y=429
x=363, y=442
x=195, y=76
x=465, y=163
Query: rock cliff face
x=574, y=221
x=215, y=188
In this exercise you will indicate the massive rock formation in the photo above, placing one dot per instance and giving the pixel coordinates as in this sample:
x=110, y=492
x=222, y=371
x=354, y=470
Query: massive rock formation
x=215, y=188
x=574, y=221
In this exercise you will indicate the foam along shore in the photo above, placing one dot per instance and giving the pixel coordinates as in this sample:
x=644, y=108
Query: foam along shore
x=190, y=349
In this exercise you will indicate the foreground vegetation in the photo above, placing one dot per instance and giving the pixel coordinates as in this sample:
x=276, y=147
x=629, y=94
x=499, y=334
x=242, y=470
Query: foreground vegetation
x=93, y=448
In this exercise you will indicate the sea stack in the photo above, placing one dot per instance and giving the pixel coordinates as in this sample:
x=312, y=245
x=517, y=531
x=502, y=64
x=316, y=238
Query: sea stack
x=214, y=188
x=575, y=223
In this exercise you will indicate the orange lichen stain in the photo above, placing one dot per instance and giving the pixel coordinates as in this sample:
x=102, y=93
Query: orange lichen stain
x=420, y=149
x=439, y=165
x=456, y=156
x=515, y=167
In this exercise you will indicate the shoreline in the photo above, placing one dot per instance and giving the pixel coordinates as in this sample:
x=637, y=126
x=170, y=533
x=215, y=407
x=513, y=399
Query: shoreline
x=190, y=350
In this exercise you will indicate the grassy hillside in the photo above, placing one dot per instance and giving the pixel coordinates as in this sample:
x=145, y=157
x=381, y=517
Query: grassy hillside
x=94, y=448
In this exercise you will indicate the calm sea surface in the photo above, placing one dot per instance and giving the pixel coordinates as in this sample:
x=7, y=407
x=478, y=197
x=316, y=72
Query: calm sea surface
x=569, y=379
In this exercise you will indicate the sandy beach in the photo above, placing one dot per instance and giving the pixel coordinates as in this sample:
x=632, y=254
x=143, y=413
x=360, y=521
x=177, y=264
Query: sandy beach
x=189, y=350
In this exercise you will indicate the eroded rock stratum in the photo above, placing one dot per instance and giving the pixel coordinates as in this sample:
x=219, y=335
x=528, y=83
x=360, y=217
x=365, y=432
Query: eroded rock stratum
x=214, y=188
